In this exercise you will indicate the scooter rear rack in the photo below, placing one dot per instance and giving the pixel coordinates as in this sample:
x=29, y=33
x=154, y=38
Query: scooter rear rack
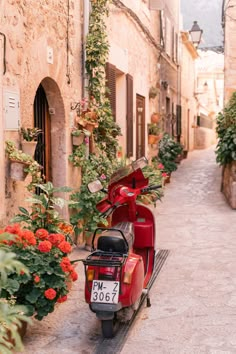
x=105, y=259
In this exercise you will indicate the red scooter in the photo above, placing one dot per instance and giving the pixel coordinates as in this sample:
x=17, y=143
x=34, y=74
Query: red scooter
x=121, y=264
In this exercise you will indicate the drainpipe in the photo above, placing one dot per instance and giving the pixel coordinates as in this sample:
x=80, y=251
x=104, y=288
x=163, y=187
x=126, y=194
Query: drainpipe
x=86, y=12
x=4, y=52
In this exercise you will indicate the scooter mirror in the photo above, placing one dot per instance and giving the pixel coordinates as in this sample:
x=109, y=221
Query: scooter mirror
x=140, y=163
x=95, y=186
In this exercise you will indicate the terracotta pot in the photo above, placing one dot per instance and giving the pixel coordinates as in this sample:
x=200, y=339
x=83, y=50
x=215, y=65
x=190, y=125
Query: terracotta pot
x=90, y=126
x=28, y=147
x=152, y=139
x=155, y=117
x=167, y=179
x=77, y=140
x=17, y=172
x=185, y=154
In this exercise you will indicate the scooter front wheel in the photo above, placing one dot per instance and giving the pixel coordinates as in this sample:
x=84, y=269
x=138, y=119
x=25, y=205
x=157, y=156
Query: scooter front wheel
x=108, y=328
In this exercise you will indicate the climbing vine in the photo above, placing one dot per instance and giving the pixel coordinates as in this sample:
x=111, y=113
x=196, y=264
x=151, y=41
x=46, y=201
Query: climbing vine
x=101, y=161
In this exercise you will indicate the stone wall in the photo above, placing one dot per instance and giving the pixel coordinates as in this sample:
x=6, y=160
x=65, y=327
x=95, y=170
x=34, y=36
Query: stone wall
x=43, y=46
x=204, y=138
x=229, y=183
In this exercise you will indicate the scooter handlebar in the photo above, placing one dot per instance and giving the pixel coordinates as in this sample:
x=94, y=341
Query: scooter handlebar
x=151, y=188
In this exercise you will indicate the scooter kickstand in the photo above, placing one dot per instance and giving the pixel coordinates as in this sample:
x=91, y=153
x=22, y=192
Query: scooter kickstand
x=148, y=301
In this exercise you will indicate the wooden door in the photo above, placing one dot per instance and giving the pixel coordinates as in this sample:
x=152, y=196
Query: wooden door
x=140, y=126
x=42, y=121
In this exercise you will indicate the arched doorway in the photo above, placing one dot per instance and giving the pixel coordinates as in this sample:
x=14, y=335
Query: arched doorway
x=42, y=121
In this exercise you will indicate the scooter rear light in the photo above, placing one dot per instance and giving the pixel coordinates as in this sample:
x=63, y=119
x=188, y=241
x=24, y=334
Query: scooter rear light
x=90, y=274
x=127, y=277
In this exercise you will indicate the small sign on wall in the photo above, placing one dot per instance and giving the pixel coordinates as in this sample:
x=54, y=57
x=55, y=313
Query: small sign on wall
x=11, y=110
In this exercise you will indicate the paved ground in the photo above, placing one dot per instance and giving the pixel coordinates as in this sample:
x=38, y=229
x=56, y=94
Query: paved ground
x=194, y=297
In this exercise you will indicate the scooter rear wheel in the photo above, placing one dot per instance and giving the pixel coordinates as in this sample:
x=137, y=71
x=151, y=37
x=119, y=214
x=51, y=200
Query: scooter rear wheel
x=108, y=328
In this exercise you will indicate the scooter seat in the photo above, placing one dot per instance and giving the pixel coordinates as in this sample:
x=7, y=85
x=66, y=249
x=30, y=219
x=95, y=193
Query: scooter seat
x=112, y=240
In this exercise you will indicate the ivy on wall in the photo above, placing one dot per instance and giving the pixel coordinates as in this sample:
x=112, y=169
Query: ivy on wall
x=101, y=161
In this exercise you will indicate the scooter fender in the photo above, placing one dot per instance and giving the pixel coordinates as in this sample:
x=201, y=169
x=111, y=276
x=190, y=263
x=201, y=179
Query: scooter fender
x=133, y=280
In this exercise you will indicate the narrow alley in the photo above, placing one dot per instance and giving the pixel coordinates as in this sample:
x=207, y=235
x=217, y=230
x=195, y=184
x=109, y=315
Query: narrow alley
x=194, y=297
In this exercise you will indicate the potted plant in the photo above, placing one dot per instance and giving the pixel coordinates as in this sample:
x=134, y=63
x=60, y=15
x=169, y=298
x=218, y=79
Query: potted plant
x=21, y=164
x=29, y=140
x=43, y=246
x=168, y=150
x=153, y=91
x=78, y=136
x=154, y=176
x=153, y=133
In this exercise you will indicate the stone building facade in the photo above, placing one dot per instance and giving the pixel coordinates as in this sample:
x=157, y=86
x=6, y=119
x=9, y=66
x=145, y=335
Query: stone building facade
x=41, y=49
x=229, y=28
x=42, y=76
x=188, y=102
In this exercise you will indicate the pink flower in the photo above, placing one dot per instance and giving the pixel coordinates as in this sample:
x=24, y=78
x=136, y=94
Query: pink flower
x=103, y=176
x=86, y=139
x=160, y=166
x=164, y=174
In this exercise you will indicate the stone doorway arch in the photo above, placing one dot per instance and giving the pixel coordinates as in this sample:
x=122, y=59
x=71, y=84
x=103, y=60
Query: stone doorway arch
x=56, y=135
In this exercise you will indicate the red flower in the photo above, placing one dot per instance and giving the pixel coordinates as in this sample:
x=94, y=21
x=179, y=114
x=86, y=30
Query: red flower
x=27, y=238
x=50, y=294
x=74, y=275
x=65, y=247
x=13, y=229
x=164, y=174
x=42, y=234
x=22, y=272
x=37, y=279
x=55, y=239
x=62, y=299
x=160, y=166
x=45, y=246
x=66, y=265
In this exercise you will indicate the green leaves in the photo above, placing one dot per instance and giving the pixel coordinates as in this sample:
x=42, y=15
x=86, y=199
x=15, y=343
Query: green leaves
x=9, y=264
x=226, y=130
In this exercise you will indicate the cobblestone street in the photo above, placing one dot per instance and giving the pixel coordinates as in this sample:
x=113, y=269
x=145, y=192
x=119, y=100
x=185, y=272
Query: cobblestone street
x=194, y=297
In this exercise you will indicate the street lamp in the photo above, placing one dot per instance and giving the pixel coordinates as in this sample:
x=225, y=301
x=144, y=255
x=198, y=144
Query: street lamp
x=196, y=34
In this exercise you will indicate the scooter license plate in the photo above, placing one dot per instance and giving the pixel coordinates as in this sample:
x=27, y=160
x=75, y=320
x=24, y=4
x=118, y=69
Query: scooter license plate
x=104, y=291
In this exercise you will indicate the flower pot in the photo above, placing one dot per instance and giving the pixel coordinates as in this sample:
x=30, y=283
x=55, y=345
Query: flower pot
x=167, y=179
x=179, y=158
x=17, y=172
x=77, y=140
x=155, y=118
x=28, y=147
x=90, y=126
x=185, y=154
x=152, y=139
